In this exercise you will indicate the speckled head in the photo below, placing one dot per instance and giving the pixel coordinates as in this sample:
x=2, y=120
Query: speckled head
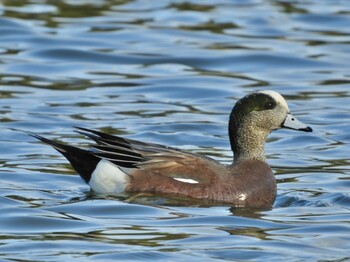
x=263, y=106
x=254, y=117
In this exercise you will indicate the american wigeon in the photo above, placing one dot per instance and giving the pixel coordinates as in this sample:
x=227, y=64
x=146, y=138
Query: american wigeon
x=114, y=164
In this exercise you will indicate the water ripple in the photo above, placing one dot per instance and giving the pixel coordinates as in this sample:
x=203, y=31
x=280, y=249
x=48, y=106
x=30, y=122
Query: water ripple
x=169, y=72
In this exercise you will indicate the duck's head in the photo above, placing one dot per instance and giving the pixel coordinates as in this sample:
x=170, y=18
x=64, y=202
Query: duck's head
x=256, y=115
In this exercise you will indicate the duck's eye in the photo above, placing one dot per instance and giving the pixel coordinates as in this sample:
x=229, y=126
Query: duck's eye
x=269, y=105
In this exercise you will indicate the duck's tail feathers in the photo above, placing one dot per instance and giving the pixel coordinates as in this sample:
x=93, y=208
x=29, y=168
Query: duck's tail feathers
x=83, y=161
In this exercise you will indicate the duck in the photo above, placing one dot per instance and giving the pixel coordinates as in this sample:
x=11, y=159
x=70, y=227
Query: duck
x=118, y=165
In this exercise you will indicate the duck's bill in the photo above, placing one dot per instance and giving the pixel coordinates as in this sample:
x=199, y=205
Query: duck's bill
x=292, y=123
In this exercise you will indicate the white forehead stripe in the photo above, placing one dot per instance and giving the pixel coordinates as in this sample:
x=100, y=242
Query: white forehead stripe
x=276, y=96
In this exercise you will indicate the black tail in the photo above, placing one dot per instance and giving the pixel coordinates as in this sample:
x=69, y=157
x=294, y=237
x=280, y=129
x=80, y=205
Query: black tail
x=83, y=161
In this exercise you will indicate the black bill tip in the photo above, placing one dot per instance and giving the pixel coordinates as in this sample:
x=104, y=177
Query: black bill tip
x=306, y=129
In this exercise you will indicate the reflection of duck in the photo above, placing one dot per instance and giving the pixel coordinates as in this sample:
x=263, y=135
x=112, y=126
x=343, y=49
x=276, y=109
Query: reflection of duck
x=117, y=165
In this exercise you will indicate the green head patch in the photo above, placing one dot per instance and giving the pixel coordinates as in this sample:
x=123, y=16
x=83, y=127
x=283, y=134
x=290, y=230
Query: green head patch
x=254, y=102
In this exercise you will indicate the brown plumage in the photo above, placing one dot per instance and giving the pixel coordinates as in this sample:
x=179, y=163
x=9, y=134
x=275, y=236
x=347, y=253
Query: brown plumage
x=115, y=164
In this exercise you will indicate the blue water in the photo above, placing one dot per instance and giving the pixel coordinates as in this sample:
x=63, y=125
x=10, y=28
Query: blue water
x=169, y=72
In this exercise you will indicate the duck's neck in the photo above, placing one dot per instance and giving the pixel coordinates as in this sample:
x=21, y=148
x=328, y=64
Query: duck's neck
x=248, y=142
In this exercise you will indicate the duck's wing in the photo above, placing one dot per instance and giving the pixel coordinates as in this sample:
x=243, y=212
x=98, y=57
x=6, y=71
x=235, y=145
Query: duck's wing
x=155, y=158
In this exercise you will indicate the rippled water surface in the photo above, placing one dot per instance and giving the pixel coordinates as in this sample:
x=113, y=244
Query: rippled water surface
x=169, y=72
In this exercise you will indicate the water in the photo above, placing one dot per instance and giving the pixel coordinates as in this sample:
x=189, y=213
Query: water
x=169, y=72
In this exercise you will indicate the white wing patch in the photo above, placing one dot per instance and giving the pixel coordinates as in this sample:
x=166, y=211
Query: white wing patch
x=186, y=180
x=108, y=178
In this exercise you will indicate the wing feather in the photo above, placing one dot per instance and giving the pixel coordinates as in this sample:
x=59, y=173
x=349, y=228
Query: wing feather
x=165, y=160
